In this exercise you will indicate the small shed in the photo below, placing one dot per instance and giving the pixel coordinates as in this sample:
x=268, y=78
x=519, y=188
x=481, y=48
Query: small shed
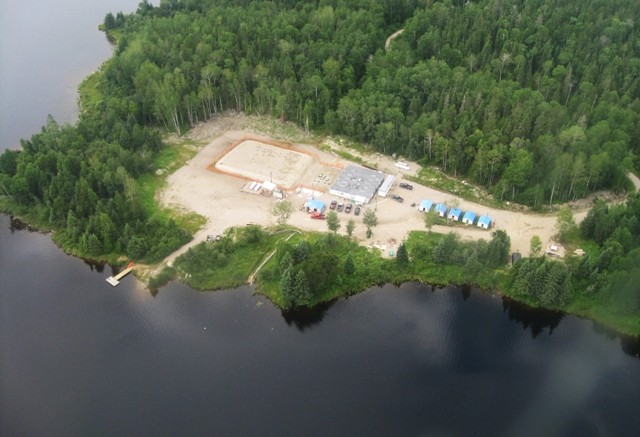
x=315, y=205
x=425, y=205
x=402, y=165
x=441, y=209
x=484, y=222
x=515, y=257
x=268, y=186
x=468, y=218
x=455, y=214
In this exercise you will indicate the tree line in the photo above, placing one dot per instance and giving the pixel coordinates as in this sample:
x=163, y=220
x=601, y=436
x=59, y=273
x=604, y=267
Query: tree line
x=536, y=100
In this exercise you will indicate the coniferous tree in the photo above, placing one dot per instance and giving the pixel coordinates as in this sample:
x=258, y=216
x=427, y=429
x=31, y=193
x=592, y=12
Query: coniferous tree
x=349, y=266
x=302, y=291
x=287, y=287
x=402, y=257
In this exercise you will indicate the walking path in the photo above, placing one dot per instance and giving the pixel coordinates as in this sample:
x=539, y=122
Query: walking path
x=387, y=43
x=273, y=252
x=635, y=180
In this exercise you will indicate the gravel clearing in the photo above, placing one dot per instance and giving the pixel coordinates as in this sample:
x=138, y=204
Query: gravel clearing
x=217, y=190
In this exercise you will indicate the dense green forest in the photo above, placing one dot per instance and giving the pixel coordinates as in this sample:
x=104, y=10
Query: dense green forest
x=537, y=100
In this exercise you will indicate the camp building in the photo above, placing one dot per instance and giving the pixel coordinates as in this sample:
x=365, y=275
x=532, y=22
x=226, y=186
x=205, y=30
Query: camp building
x=357, y=184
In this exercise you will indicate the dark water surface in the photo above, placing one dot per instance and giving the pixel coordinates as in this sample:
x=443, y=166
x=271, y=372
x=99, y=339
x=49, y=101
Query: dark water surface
x=46, y=48
x=80, y=358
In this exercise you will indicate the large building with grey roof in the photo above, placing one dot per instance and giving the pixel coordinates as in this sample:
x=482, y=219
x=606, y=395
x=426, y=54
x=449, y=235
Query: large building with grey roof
x=357, y=184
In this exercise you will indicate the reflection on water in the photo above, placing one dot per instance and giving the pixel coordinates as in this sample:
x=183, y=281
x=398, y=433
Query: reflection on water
x=303, y=318
x=630, y=345
x=15, y=224
x=95, y=266
x=407, y=360
x=535, y=319
x=465, y=290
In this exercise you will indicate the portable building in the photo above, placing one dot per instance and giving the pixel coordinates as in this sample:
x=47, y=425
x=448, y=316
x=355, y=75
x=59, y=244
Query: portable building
x=386, y=185
x=455, y=214
x=484, y=222
x=315, y=205
x=425, y=205
x=469, y=218
x=441, y=209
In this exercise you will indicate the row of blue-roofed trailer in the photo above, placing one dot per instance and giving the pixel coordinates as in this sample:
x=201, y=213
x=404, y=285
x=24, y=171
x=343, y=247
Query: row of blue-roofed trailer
x=469, y=218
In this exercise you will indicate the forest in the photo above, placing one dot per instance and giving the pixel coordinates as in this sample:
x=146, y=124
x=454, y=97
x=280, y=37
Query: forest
x=538, y=101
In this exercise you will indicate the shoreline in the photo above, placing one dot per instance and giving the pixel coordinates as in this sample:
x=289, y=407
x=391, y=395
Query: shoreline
x=393, y=227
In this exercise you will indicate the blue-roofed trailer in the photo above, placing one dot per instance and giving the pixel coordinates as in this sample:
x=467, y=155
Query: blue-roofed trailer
x=315, y=205
x=441, y=209
x=455, y=214
x=484, y=222
x=425, y=205
x=469, y=218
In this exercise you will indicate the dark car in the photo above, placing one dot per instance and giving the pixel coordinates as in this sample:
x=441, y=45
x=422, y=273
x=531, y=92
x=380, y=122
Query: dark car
x=397, y=198
x=406, y=186
x=340, y=206
x=356, y=211
x=333, y=204
x=348, y=208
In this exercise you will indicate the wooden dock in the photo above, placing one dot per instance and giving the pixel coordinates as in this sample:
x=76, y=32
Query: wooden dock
x=115, y=280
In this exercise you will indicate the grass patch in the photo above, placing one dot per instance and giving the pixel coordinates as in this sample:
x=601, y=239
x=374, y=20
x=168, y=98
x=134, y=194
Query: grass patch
x=227, y=263
x=283, y=130
x=88, y=92
x=168, y=160
x=434, y=178
x=165, y=276
x=350, y=157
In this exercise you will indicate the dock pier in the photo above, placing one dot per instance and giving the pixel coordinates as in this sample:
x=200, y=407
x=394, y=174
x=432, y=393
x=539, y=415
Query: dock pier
x=115, y=280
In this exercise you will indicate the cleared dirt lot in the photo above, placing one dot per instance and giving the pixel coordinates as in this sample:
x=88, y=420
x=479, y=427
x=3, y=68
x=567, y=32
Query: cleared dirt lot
x=257, y=160
x=212, y=183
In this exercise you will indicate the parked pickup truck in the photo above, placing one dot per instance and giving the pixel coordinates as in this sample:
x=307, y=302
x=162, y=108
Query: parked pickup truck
x=406, y=186
x=318, y=216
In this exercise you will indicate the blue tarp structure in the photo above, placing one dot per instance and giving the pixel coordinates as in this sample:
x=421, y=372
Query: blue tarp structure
x=315, y=205
x=484, y=222
x=441, y=209
x=455, y=214
x=425, y=205
x=469, y=218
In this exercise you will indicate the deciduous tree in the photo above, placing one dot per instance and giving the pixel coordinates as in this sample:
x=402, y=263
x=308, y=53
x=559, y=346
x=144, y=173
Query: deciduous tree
x=282, y=211
x=333, y=221
x=370, y=220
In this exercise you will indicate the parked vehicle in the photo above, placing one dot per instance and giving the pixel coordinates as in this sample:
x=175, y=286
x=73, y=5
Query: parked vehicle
x=397, y=198
x=340, y=206
x=406, y=186
x=356, y=211
x=318, y=216
x=348, y=208
x=333, y=204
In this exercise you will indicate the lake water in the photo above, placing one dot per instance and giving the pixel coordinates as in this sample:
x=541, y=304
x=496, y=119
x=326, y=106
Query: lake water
x=79, y=357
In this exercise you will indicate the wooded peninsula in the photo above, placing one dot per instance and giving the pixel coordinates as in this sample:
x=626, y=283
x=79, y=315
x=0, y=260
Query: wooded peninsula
x=536, y=101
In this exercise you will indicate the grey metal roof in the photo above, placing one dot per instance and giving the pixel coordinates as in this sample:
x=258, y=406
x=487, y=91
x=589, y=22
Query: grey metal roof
x=358, y=181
